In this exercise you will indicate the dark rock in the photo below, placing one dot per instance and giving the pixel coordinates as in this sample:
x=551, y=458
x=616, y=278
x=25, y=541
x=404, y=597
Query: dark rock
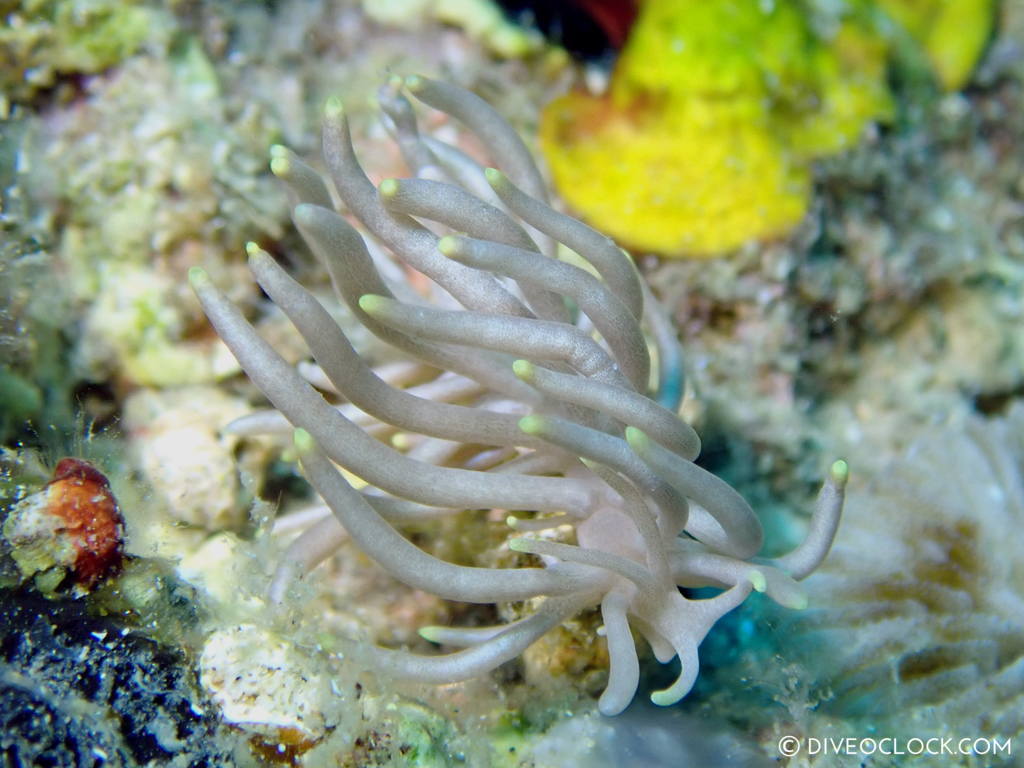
x=77, y=691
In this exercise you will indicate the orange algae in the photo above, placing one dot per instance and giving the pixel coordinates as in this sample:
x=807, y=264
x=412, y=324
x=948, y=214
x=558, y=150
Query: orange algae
x=715, y=112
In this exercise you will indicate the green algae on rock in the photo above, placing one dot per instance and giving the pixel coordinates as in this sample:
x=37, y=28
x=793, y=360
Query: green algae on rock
x=43, y=40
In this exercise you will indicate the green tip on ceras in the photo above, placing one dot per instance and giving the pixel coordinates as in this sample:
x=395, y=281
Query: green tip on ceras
x=304, y=214
x=388, y=188
x=757, y=580
x=519, y=545
x=532, y=424
x=333, y=108
x=494, y=177
x=431, y=634
x=280, y=165
x=449, y=246
x=198, y=278
x=663, y=698
x=839, y=472
x=372, y=302
x=523, y=369
x=257, y=256
x=414, y=83
x=303, y=441
x=798, y=602
x=637, y=439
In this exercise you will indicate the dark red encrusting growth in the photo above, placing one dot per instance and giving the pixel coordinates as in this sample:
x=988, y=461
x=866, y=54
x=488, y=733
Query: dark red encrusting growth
x=615, y=17
x=591, y=30
x=78, y=468
x=80, y=496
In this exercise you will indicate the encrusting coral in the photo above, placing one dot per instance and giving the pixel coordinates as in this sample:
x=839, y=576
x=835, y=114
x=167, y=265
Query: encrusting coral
x=925, y=624
x=530, y=378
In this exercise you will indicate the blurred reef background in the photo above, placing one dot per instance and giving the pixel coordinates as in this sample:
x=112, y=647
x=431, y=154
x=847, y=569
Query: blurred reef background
x=827, y=194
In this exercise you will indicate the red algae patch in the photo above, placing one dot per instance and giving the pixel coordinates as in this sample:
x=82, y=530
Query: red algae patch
x=71, y=527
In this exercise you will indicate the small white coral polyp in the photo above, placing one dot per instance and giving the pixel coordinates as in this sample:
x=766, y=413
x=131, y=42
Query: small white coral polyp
x=540, y=405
